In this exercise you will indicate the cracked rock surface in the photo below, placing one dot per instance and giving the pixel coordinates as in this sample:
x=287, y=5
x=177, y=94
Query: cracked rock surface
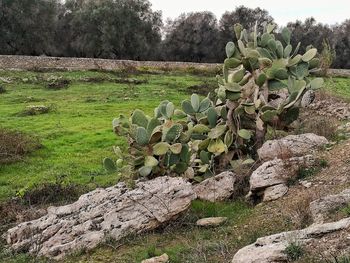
x=271, y=178
x=272, y=248
x=114, y=212
x=291, y=146
x=218, y=188
x=321, y=207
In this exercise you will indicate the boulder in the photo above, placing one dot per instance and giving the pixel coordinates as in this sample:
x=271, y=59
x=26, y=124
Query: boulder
x=271, y=178
x=291, y=146
x=272, y=248
x=218, y=188
x=321, y=207
x=211, y=221
x=275, y=192
x=114, y=212
x=161, y=259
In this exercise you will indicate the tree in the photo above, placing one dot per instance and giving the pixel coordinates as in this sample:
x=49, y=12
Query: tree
x=341, y=43
x=121, y=29
x=247, y=17
x=309, y=33
x=27, y=26
x=192, y=37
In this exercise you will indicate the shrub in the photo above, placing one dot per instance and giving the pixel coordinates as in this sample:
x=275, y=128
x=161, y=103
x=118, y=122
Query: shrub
x=327, y=57
x=2, y=89
x=294, y=251
x=58, y=83
x=15, y=145
x=263, y=84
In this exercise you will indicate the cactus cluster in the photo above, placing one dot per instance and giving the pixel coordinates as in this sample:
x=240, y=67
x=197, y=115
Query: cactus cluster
x=264, y=83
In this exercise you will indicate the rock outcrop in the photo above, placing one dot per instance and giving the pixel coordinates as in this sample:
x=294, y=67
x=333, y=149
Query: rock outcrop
x=211, y=221
x=270, y=180
x=113, y=212
x=160, y=259
x=272, y=248
x=218, y=188
x=321, y=207
x=291, y=146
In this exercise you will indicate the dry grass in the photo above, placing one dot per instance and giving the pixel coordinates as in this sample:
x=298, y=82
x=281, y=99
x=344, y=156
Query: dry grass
x=15, y=145
x=298, y=209
x=320, y=125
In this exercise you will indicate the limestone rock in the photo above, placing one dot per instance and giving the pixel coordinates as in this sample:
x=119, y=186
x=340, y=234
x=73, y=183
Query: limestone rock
x=161, y=259
x=113, y=212
x=211, y=221
x=319, y=208
x=271, y=248
x=217, y=188
x=291, y=146
x=273, y=176
x=275, y=192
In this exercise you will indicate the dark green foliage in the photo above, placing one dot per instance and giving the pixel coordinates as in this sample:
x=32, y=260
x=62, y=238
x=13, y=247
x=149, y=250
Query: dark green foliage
x=27, y=27
x=192, y=37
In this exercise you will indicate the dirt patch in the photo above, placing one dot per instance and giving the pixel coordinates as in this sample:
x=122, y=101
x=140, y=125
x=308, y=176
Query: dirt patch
x=15, y=145
x=330, y=106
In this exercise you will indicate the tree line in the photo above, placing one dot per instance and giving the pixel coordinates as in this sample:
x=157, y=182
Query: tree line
x=130, y=29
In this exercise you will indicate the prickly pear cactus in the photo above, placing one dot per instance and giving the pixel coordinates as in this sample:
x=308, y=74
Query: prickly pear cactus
x=264, y=83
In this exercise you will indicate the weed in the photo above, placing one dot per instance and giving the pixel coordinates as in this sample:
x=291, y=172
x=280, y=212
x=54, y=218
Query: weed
x=58, y=84
x=346, y=210
x=308, y=172
x=15, y=145
x=323, y=163
x=294, y=251
x=2, y=89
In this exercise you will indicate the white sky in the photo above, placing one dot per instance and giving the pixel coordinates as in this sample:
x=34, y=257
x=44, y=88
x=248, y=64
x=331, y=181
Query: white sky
x=283, y=11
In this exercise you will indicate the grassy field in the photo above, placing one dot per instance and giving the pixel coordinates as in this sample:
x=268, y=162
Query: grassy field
x=77, y=135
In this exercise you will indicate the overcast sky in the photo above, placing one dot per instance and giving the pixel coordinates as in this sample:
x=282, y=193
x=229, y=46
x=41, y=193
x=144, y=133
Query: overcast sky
x=283, y=11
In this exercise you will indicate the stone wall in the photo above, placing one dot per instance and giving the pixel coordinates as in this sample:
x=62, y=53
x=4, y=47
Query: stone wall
x=63, y=63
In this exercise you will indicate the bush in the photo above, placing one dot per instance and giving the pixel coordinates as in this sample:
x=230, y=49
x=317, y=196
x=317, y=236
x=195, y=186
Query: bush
x=2, y=89
x=15, y=145
x=58, y=84
x=294, y=251
x=263, y=84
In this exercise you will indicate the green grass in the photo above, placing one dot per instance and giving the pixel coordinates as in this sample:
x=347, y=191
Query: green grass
x=339, y=87
x=78, y=135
